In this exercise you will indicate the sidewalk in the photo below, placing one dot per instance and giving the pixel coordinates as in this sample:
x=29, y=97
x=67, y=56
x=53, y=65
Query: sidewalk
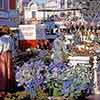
x=93, y=97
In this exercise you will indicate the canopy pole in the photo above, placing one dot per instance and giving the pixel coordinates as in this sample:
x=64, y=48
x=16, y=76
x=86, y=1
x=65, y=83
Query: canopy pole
x=96, y=89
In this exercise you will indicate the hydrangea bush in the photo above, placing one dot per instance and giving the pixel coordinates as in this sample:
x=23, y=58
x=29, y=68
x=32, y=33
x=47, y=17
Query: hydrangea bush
x=62, y=79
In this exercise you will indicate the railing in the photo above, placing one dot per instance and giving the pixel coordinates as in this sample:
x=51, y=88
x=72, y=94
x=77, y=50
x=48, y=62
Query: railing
x=86, y=60
x=51, y=36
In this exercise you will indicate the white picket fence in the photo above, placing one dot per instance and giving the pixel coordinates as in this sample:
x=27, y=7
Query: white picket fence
x=79, y=60
x=85, y=60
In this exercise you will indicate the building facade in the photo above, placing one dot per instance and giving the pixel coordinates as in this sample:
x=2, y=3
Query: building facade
x=7, y=4
x=8, y=12
x=51, y=7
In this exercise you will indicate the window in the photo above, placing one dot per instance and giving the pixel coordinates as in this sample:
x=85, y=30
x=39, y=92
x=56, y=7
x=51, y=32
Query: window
x=62, y=3
x=12, y=4
x=33, y=14
x=69, y=2
x=1, y=1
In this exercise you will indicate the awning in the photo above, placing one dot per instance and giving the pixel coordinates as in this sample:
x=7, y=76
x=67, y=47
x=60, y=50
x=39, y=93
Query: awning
x=8, y=23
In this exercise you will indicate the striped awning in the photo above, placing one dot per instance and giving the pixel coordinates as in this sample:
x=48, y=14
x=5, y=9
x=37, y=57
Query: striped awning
x=8, y=23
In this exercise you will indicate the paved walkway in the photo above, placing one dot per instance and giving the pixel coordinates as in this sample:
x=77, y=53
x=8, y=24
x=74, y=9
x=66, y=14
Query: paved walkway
x=94, y=97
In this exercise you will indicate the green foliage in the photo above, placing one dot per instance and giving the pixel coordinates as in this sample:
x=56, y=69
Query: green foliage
x=47, y=60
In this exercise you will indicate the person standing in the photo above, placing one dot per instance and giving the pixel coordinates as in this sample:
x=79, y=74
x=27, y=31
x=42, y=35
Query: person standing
x=58, y=49
x=7, y=75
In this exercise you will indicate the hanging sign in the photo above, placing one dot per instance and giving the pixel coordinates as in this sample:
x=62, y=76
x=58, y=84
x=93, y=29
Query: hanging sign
x=27, y=32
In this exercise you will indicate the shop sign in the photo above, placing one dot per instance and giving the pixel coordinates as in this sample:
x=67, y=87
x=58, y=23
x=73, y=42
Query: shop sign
x=27, y=32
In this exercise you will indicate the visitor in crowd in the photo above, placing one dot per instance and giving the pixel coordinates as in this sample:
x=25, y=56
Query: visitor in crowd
x=7, y=75
x=38, y=45
x=15, y=44
x=57, y=32
x=77, y=38
x=45, y=45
